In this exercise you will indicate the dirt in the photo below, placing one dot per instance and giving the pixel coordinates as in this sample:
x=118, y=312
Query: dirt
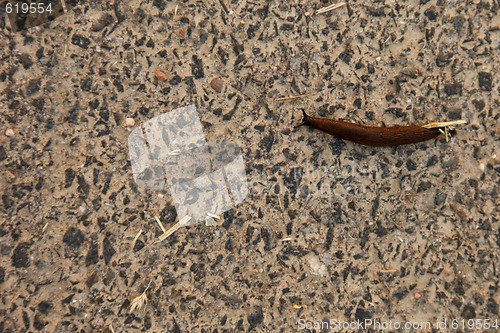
x=330, y=232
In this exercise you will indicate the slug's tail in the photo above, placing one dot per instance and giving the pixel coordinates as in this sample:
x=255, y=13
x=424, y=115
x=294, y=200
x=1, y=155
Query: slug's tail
x=306, y=120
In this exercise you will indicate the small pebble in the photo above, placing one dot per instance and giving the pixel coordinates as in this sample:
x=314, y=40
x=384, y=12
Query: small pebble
x=217, y=84
x=9, y=132
x=317, y=268
x=488, y=207
x=130, y=121
x=417, y=295
x=160, y=76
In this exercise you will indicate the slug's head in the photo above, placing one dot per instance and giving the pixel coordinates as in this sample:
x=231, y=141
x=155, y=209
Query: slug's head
x=306, y=120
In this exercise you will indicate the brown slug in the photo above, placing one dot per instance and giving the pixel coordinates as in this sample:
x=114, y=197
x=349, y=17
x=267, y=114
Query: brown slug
x=379, y=136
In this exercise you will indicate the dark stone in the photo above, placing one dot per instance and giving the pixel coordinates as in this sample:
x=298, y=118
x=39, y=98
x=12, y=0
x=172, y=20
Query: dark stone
x=255, y=318
x=91, y=280
x=38, y=324
x=2, y=274
x=337, y=146
x=362, y=315
x=93, y=255
x=104, y=114
x=431, y=13
x=118, y=84
x=492, y=305
x=26, y=320
x=293, y=178
x=287, y=27
x=251, y=31
x=375, y=206
x=432, y=161
x=453, y=89
x=86, y=84
x=80, y=41
x=228, y=218
x=83, y=186
x=454, y=114
x=478, y=104
x=175, y=80
x=20, y=255
x=25, y=60
x=73, y=115
x=70, y=175
x=237, y=46
x=108, y=250
x=485, y=81
x=266, y=142
x=443, y=59
x=197, y=67
x=357, y=103
x=45, y=307
x=411, y=165
x=33, y=87
x=223, y=55
x=38, y=103
x=140, y=42
x=468, y=312
x=346, y=56
x=400, y=295
x=110, y=276
x=3, y=154
x=424, y=186
x=459, y=23
x=440, y=198
x=138, y=245
x=74, y=237
x=381, y=231
x=377, y=12
x=330, y=233
x=229, y=245
x=14, y=105
x=241, y=57
x=160, y=4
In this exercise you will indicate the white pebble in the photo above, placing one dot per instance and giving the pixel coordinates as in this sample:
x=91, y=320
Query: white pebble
x=130, y=121
x=317, y=268
x=9, y=132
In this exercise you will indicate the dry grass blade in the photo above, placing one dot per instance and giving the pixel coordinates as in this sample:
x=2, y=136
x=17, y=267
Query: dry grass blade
x=445, y=124
x=139, y=301
x=445, y=127
x=160, y=224
x=213, y=216
x=329, y=8
x=136, y=237
x=182, y=223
